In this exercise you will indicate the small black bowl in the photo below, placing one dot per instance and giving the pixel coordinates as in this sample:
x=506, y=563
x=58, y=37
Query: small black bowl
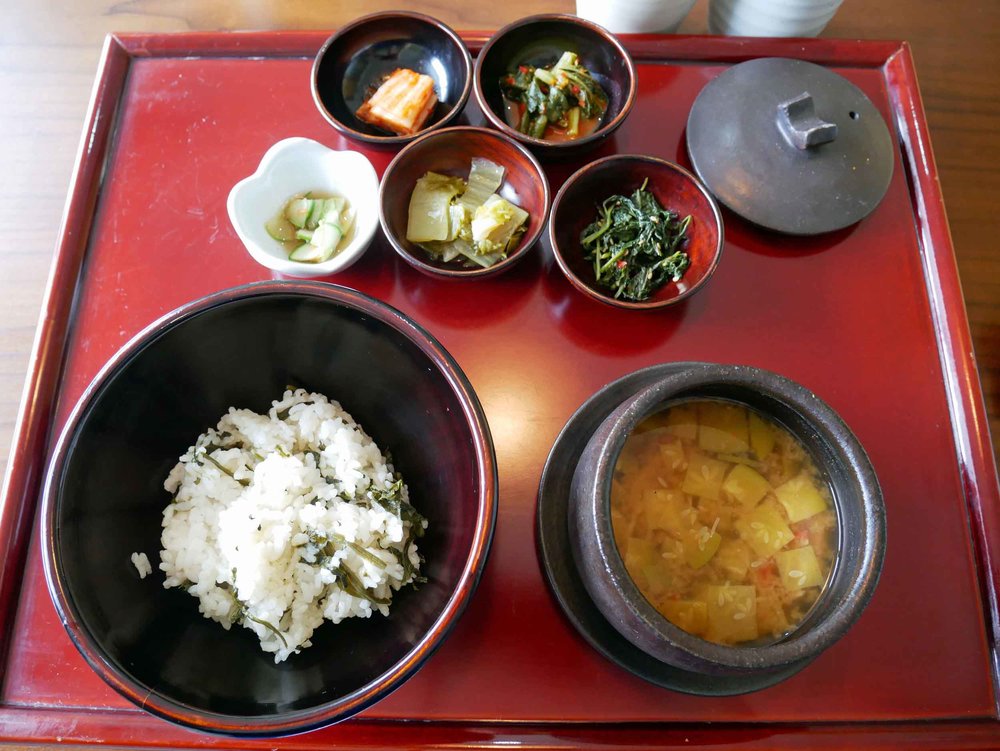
x=575, y=207
x=838, y=454
x=104, y=499
x=539, y=41
x=353, y=61
x=450, y=151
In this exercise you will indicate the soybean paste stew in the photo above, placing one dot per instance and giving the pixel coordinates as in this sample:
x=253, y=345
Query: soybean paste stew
x=724, y=521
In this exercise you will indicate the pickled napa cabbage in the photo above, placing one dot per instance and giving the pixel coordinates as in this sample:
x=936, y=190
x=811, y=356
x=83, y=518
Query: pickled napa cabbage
x=485, y=179
x=495, y=223
x=430, y=207
x=468, y=222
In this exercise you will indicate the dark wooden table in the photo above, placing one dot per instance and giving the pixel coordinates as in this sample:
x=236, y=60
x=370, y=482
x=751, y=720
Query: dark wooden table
x=49, y=52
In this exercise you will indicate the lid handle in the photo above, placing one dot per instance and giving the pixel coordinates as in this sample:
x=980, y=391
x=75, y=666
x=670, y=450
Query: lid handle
x=798, y=121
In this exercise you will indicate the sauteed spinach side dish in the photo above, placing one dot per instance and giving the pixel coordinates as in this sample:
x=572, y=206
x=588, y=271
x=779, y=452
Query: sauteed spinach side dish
x=635, y=245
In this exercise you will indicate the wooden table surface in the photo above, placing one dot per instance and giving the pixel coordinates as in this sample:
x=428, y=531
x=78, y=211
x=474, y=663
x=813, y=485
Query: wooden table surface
x=49, y=53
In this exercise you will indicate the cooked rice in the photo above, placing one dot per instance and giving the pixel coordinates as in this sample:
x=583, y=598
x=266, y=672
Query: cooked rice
x=280, y=521
x=142, y=564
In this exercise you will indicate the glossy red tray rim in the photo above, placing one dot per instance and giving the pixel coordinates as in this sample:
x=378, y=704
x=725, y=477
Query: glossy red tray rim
x=976, y=462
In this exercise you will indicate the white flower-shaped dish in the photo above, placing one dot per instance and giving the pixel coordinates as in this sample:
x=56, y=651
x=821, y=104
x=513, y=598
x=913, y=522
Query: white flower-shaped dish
x=297, y=165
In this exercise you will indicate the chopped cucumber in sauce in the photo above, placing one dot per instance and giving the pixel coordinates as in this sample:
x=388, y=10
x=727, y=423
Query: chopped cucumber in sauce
x=312, y=229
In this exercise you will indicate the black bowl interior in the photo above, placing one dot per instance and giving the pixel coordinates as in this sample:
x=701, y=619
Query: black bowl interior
x=540, y=43
x=359, y=59
x=243, y=353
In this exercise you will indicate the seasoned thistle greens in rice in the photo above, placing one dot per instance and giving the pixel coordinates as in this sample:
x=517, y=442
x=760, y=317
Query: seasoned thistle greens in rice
x=281, y=521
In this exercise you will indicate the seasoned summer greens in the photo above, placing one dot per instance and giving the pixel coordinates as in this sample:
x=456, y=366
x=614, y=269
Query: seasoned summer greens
x=560, y=102
x=469, y=222
x=636, y=245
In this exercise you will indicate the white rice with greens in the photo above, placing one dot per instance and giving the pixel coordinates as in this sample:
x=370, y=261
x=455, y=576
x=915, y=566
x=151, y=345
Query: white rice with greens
x=282, y=520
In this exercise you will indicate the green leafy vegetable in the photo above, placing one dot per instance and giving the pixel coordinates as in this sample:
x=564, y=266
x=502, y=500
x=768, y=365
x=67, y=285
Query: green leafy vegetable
x=403, y=556
x=351, y=584
x=322, y=548
x=636, y=245
x=587, y=93
x=243, y=481
x=238, y=612
x=391, y=499
x=559, y=95
x=360, y=550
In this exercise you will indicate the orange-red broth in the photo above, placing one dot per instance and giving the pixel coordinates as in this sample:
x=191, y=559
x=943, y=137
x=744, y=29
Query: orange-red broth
x=513, y=111
x=723, y=521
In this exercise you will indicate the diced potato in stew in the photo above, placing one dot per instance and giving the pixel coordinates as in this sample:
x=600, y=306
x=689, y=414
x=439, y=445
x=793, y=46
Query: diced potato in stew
x=723, y=428
x=799, y=568
x=800, y=497
x=732, y=613
x=765, y=529
x=700, y=544
x=746, y=485
x=690, y=615
x=704, y=476
x=682, y=422
x=733, y=559
x=762, y=436
x=665, y=510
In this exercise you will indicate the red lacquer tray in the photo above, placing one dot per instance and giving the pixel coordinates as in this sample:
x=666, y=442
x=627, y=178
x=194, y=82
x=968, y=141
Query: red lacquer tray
x=870, y=318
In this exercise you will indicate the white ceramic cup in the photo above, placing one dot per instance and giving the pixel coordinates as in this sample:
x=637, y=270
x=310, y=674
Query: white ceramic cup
x=635, y=16
x=770, y=18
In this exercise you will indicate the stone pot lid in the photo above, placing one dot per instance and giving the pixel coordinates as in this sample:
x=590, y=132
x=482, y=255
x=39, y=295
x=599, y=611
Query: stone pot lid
x=790, y=146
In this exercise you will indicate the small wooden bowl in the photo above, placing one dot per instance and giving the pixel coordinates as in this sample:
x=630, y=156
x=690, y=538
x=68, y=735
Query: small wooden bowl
x=576, y=204
x=540, y=40
x=360, y=54
x=450, y=151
